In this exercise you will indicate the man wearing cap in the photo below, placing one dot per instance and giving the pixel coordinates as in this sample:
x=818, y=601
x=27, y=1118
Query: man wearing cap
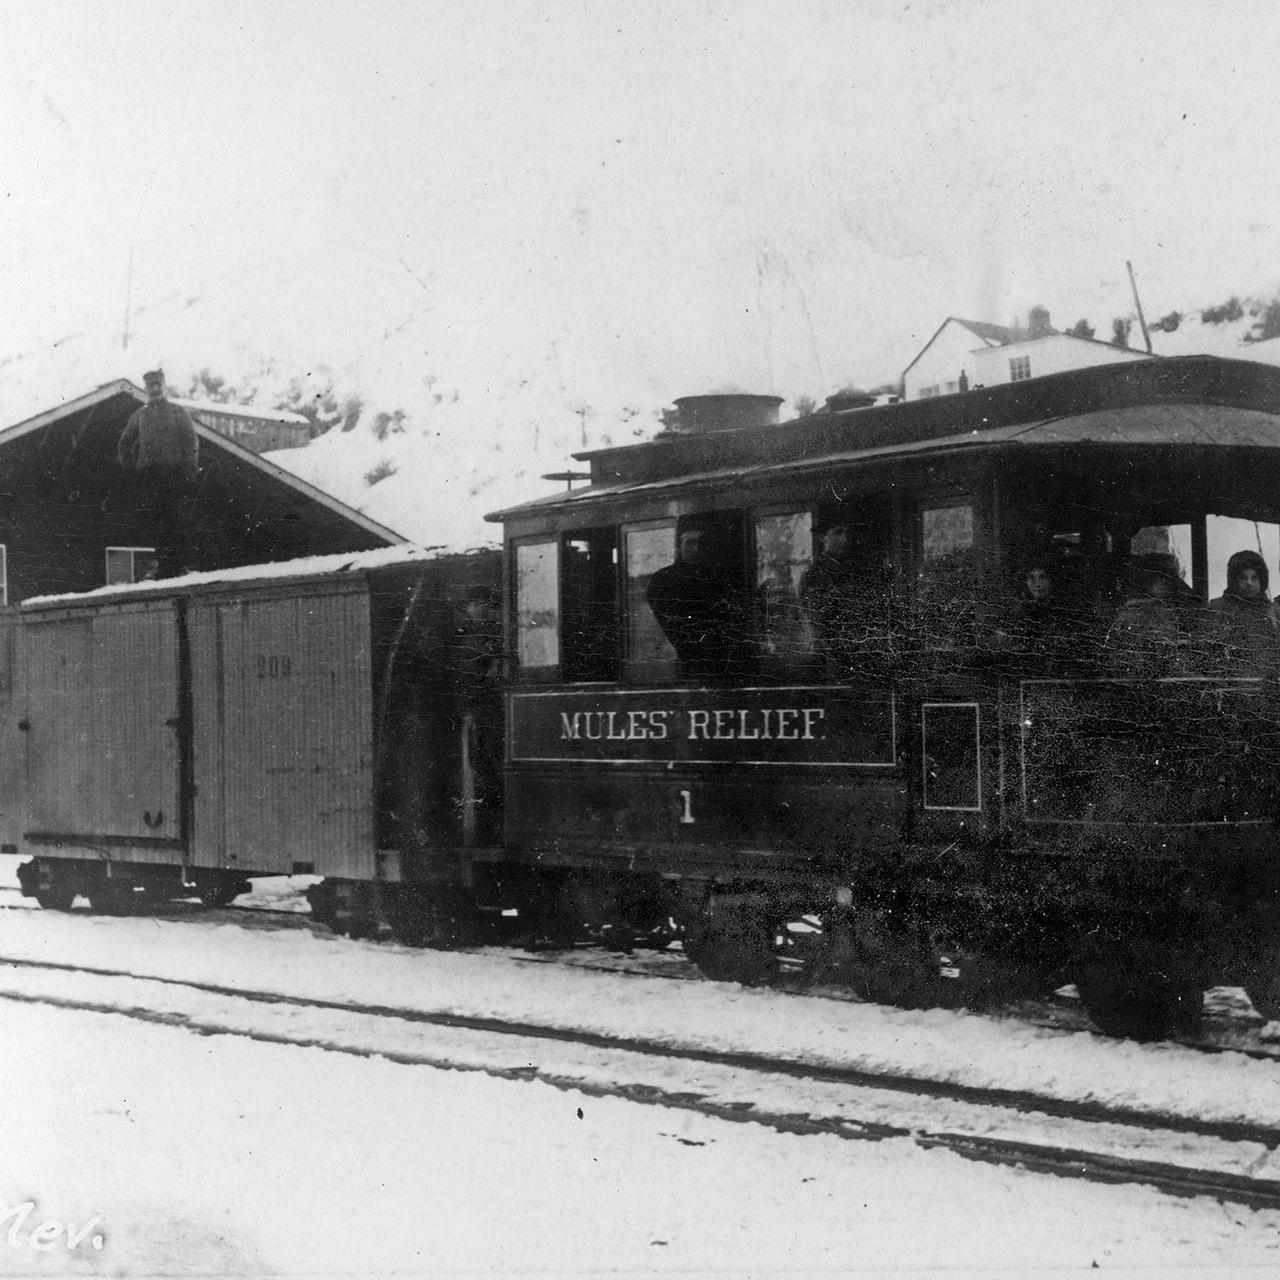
x=829, y=589
x=697, y=608
x=159, y=446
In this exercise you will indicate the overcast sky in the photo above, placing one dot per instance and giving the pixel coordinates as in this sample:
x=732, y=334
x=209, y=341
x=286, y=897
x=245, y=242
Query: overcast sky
x=633, y=200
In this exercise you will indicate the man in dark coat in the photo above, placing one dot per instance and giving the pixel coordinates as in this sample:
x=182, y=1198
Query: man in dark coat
x=829, y=591
x=160, y=448
x=698, y=610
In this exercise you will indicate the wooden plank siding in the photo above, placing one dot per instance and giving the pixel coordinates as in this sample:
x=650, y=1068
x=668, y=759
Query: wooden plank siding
x=102, y=750
x=282, y=694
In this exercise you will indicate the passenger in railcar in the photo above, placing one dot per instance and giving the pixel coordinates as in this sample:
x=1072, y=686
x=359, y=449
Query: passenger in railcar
x=1158, y=627
x=699, y=608
x=1044, y=625
x=1248, y=627
x=849, y=600
x=828, y=588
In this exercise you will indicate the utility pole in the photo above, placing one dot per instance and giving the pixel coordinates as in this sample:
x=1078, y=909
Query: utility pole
x=128, y=301
x=1137, y=302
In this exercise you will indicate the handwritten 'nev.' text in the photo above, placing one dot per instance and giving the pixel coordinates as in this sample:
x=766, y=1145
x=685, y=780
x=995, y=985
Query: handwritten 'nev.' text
x=48, y=1234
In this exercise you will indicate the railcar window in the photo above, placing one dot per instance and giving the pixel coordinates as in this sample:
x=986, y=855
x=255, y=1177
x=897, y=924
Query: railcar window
x=646, y=549
x=589, y=603
x=1227, y=535
x=784, y=551
x=699, y=600
x=946, y=531
x=1165, y=539
x=947, y=581
x=537, y=604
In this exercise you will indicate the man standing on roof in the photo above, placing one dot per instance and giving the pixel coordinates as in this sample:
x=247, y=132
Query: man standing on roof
x=159, y=446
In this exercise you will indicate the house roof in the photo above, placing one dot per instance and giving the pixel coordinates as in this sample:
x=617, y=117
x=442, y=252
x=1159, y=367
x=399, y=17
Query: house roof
x=993, y=335
x=122, y=387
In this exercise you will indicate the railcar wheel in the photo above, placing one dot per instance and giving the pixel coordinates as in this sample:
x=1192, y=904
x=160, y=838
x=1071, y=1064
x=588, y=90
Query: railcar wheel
x=435, y=916
x=1265, y=997
x=893, y=964
x=1136, y=1003
x=1262, y=983
x=733, y=944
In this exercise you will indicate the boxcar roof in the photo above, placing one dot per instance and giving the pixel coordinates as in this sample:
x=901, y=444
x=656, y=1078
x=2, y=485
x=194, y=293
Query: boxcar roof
x=307, y=567
x=1196, y=401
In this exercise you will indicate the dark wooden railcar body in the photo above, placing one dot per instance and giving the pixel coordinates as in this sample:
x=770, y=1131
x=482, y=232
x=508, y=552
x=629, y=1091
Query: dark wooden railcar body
x=925, y=766
x=315, y=717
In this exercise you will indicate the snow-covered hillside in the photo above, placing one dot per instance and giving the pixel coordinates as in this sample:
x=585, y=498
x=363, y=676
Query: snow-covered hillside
x=439, y=440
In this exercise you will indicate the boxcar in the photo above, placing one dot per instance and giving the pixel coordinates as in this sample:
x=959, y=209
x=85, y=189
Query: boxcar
x=326, y=717
x=721, y=710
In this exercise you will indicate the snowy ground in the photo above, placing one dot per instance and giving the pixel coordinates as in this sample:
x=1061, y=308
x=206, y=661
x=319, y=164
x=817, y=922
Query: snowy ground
x=216, y=1154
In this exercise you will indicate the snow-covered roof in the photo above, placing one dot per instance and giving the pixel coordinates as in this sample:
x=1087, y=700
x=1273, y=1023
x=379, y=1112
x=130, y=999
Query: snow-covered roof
x=248, y=411
x=333, y=566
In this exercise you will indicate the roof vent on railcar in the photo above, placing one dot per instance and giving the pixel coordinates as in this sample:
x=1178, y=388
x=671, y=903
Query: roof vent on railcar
x=849, y=398
x=726, y=411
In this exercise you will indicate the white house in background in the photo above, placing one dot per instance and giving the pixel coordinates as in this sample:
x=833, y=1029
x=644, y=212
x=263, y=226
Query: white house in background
x=964, y=354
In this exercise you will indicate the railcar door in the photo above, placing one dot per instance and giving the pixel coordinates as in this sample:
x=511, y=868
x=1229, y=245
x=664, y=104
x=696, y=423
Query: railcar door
x=283, y=740
x=102, y=721
x=948, y=701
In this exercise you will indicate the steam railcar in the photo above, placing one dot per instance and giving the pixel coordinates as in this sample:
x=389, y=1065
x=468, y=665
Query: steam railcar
x=718, y=711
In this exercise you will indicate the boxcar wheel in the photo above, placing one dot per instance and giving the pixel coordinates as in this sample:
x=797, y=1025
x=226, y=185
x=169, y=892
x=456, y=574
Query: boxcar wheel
x=56, y=898
x=1139, y=1004
x=733, y=944
x=113, y=898
x=223, y=893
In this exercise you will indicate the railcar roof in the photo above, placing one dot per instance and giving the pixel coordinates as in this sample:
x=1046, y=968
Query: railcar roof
x=306, y=567
x=1198, y=401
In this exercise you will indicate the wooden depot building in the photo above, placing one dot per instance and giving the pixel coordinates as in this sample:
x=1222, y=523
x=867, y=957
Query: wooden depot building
x=69, y=519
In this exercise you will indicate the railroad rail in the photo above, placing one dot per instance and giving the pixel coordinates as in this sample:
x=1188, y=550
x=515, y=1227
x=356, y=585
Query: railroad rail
x=1101, y=1143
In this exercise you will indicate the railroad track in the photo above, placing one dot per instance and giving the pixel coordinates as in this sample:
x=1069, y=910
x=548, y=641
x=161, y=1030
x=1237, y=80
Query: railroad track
x=1227, y=1030
x=1227, y=1160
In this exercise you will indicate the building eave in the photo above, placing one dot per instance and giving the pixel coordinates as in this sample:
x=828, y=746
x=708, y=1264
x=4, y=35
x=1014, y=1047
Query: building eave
x=122, y=386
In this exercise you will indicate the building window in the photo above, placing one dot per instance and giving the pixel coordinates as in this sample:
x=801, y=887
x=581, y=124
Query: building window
x=927, y=393
x=130, y=564
x=1019, y=368
x=4, y=574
